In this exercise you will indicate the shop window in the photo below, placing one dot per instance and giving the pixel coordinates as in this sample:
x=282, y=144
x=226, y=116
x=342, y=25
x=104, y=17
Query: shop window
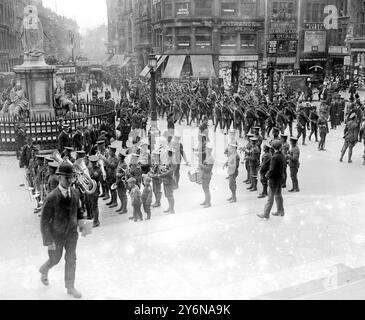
x=203, y=38
x=229, y=9
x=203, y=7
x=167, y=10
x=248, y=8
x=248, y=41
x=182, y=9
x=228, y=41
x=183, y=42
x=168, y=39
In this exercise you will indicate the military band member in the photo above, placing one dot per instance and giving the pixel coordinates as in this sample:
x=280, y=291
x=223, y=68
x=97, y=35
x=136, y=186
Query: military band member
x=156, y=181
x=121, y=175
x=53, y=180
x=167, y=177
x=232, y=166
x=92, y=199
x=264, y=169
x=66, y=154
x=64, y=139
x=294, y=163
x=285, y=149
x=111, y=165
x=254, y=163
x=206, y=170
x=77, y=139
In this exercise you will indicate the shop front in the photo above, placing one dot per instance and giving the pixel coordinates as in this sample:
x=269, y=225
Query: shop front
x=238, y=69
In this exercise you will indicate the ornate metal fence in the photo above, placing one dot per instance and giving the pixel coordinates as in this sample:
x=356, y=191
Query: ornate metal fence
x=44, y=130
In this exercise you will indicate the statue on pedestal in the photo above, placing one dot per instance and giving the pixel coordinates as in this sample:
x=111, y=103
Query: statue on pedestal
x=32, y=33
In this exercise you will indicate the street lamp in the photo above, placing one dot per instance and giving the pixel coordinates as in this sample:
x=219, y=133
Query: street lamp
x=271, y=63
x=152, y=64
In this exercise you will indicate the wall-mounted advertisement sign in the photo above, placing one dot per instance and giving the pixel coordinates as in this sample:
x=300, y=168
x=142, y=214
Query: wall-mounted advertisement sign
x=315, y=41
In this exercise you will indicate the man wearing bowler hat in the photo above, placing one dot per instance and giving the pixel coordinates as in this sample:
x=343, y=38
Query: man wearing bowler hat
x=59, y=221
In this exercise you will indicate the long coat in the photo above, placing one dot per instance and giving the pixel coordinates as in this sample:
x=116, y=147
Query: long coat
x=59, y=218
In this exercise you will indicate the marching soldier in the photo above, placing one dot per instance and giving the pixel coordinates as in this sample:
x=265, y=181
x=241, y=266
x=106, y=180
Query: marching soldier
x=254, y=163
x=285, y=149
x=232, y=165
x=294, y=163
x=314, y=117
x=122, y=182
x=264, y=169
x=302, y=121
x=156, y=181
x=96, y=175
x=111, y=165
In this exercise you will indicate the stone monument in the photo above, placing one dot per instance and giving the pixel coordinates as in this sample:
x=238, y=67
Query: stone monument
x=35, y=76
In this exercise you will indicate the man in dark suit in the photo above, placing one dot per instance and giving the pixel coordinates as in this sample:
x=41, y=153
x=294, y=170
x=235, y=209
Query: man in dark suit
x=78, y=139
x=275, y=176
x=59, y=221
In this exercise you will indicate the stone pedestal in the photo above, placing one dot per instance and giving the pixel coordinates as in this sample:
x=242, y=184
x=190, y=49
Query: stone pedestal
x=38, y=81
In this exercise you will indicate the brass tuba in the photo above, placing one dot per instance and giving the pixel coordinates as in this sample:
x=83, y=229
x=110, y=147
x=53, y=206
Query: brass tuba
x=88, y=185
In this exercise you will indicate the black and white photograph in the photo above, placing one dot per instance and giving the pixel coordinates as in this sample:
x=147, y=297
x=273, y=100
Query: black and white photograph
x=182, y=150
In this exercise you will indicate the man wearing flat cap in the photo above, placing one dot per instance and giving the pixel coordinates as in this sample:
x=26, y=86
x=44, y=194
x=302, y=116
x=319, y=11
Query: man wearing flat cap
x=59, y=222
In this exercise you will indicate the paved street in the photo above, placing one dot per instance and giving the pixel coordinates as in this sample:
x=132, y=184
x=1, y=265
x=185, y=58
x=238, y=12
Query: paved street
x=224, y=252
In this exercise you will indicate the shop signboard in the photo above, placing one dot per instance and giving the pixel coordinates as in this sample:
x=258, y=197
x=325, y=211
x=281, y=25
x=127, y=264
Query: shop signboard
x=314, y=26
x=315, y=41
x=238, y=58
x=337, y=50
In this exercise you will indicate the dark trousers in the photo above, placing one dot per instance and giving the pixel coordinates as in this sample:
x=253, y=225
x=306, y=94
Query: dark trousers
x=205, y=185
x=156, y=186
x=264, y=182
x=69, y=244
x=274, y=194
x=294, y=177
x=122, y=194
x=314, y=130
x=147, y=208
x=285, y=177
x=302, y=132
x=322, y=142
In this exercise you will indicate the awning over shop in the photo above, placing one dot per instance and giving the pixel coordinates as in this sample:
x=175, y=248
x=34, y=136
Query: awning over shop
x=174, y=67
x=146, y=71
x=125, y=62
x=116, y=60
x=203, y=67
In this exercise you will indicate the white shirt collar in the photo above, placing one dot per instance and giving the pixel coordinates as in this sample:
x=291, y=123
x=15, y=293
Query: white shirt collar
x=64, y=191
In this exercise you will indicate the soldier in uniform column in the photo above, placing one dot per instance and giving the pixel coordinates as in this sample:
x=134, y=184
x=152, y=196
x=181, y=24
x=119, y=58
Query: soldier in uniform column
x=111, y=165
x=122, y=182
x=156, y=181
x=206, y=170
x=313, y=117
x=168, y=180
x=232, y=166
x=302, y=121
x=96, y=175
x=264, y=169
x=294, y=163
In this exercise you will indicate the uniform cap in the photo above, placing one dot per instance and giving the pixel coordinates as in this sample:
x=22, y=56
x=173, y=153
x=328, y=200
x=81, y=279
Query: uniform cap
x=276, y=144
x=54, y=165
x=93, y=159
x=65, y=169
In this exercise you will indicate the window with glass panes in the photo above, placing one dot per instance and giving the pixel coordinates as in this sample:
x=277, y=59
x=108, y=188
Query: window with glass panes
x=203, y=7
x=228, y=41
x=248, y=8
x=183, y=38
x=168, y=39
x=203, y=38
x=248, y=40
x=167, y=9
x=229, y=8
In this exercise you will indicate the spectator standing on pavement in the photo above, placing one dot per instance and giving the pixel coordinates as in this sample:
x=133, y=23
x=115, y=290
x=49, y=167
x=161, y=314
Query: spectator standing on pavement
x=275, y=176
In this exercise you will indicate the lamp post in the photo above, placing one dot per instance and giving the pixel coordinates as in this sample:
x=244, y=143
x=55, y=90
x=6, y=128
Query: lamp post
x=152, y=64
x=271, y=63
